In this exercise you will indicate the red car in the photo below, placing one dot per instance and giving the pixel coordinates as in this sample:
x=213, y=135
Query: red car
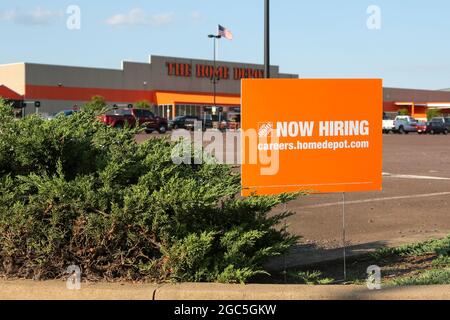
x=119, y=118
x=421, y=127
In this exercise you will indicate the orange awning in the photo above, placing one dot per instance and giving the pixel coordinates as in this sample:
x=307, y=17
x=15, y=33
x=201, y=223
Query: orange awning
x=173, y=98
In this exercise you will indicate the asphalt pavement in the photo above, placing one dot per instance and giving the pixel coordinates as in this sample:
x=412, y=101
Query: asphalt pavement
x=413, y=206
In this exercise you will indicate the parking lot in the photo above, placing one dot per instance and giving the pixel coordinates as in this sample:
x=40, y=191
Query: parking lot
x=414, y=205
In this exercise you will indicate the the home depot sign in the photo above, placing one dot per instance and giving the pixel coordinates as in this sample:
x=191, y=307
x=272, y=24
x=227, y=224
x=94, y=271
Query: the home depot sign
x=207, y=71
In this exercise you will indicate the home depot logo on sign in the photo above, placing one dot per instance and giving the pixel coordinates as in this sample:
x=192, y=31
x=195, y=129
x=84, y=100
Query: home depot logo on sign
x=322, y=135
x=265, y=129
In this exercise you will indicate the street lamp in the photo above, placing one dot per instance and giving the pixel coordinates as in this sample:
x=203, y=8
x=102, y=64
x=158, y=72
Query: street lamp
x=214, y=76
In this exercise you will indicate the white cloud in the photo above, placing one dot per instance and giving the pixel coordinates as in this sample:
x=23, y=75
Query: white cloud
x=36, y=16
x=197, y=16
x=162, y=19
x=134, y=17
x=138, y=17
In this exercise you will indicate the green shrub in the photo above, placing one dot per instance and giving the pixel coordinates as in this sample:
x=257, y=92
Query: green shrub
x=309, y=278
x=428, y=277
x=440, y=247
x=74, y=191
x=143, y=104
x=97, y=104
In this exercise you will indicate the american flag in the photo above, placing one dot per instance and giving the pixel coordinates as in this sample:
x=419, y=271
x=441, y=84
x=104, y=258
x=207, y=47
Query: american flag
x=224, y=32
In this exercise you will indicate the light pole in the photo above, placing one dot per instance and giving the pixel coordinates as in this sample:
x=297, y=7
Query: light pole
x=267, y=38
x=214, y=76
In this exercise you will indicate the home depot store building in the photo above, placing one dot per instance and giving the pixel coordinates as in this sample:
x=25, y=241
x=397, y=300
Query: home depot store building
x=174, y=86
x=417, y=102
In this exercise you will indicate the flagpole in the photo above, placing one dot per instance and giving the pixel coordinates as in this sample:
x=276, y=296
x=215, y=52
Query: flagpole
x=214, y=75
x=216, y=55
x=217, y=52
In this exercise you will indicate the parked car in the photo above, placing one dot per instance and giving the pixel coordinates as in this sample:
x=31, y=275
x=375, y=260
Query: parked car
x=66, y=113
x=447, y=122
x=194, y=123
x=436, y=127
x=212, y=122
x=388, y=123
x=421, y=127
x=444, y=120
x=184, y=122
x=405, y=124
x=119, y=118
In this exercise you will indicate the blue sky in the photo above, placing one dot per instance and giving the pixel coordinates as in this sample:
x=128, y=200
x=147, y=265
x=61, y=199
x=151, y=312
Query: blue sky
x=316, y=39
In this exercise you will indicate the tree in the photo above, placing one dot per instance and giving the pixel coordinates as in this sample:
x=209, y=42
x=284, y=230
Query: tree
x=403, y=112
x=433, y=113
x=144, y=104
x=6, y=108
x=97, y=104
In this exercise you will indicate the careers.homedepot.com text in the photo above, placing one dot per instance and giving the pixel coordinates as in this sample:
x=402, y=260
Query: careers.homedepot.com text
x=304, y=129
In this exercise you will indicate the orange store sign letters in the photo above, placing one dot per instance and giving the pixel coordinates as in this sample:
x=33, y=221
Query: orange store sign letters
x=313, y=135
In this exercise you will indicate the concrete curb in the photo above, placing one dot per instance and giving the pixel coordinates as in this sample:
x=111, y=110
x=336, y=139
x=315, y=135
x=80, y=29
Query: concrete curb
x=56, y=290
x=298, y=292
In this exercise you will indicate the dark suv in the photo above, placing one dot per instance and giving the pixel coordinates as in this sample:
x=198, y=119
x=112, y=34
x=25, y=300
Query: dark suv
x=183, y=122
x=437, y=126
x=444, y=120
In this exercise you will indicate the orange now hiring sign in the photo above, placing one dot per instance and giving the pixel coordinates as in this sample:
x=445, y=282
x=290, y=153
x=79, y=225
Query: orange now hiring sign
x=321, y=136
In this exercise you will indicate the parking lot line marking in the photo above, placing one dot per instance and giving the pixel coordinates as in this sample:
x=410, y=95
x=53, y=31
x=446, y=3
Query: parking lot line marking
x=332, y=204
x=407, y=176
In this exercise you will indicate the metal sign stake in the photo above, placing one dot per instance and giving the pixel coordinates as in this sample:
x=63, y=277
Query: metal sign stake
x=344, y=236
x=285, y=262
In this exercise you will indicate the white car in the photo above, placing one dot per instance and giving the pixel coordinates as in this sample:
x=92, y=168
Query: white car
x=388, y=124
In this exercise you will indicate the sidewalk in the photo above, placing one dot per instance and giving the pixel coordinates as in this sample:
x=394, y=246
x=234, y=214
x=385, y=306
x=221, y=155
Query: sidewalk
x=56, y=290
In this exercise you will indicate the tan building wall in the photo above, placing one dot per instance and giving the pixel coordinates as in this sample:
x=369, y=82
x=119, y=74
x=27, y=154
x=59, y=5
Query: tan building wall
x=13, y=77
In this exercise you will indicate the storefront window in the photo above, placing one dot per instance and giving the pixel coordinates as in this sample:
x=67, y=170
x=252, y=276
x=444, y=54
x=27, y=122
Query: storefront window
x=164, y=111
x=232, y=114
x=188, y=110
